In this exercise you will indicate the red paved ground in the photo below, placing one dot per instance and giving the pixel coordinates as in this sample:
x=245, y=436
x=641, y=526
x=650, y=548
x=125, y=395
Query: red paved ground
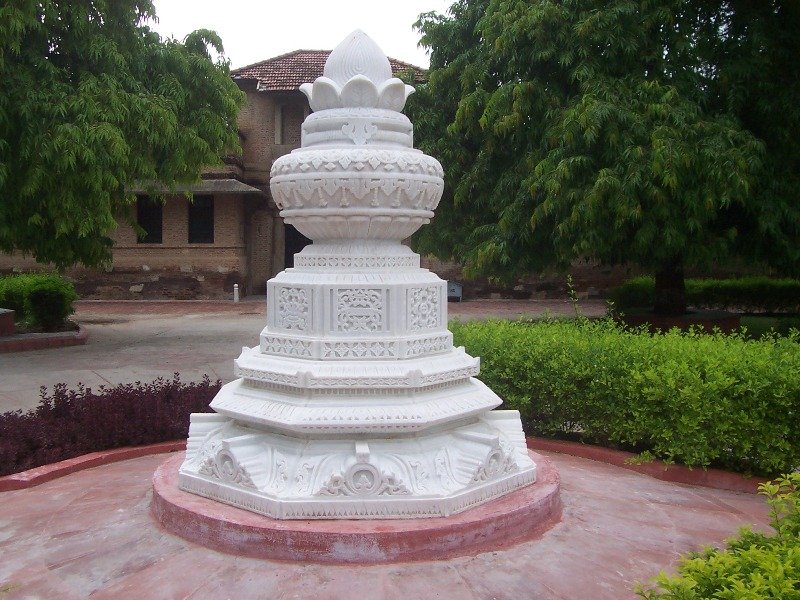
x=91, y=534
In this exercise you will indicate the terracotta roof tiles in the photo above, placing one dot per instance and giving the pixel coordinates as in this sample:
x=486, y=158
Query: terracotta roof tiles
x=288, y=71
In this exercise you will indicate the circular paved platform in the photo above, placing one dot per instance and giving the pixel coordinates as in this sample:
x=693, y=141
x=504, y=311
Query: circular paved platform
x=514, y=518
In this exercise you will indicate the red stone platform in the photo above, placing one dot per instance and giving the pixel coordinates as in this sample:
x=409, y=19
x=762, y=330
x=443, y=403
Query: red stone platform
x=516, y=517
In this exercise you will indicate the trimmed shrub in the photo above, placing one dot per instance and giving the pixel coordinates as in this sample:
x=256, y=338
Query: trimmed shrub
x=48, y=302
x=634, y=293
x=43, y=300
x=754, y=294
x=69, y=423
x=753, y=566
x=702, y=400
x=12, y=294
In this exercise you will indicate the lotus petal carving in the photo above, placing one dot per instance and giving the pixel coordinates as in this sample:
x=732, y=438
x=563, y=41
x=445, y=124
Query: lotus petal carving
x=393, y=93
x=357, y=74
x=325, y=93
x=360, y=91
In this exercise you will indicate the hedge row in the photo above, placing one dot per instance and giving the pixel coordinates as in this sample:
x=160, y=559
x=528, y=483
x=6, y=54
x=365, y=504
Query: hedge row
x=69, y=423
x=753, y=294
x=41, y=300
x=701, y=400
x=753, y=566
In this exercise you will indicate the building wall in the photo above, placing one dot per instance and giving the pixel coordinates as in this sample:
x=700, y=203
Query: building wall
x=226, y=254
x=260, y=230
x=270, y=123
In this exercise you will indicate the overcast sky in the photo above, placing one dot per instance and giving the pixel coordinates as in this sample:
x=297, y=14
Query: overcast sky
x=254, y=30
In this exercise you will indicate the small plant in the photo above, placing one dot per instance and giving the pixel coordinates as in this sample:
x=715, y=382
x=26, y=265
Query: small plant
x=40, y=300
x=573, y=297
x=754, y=566
x=48, y=302
x=68, y=423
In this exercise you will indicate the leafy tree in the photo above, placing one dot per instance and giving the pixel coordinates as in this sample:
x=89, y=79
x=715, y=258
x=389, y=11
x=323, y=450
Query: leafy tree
x=91, y=102
x=656, y=132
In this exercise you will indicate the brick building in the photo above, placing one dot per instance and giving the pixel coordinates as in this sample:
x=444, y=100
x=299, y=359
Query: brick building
x=231, y=232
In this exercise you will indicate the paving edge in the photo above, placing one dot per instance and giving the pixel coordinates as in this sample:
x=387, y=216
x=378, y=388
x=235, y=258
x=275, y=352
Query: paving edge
x=42, y=341
x=39, y=475
x=519, y=516
x=712, y=478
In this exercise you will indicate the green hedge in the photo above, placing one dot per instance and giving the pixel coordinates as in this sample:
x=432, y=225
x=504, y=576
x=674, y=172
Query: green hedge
x=701, y=400
x=755, y=294
x=41, y=300
x=753, y=566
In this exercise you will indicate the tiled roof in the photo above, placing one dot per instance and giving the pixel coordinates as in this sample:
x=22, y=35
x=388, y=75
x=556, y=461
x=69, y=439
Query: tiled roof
x=288, y=71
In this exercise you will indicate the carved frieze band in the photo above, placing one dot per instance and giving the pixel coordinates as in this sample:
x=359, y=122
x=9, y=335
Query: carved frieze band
x=357, y=262
x=414, y=379
x=285, y=346
x=428, y=345
x=335, y=160
x=355, y=349
x=359, y=350
x=337, y=178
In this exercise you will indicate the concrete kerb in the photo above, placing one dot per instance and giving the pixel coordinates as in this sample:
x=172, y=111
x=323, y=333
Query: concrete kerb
x=20, y=342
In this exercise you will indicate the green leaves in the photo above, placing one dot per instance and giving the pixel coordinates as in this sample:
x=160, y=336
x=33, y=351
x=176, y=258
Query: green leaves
x=702, y=400
x=93, y=101
x=754, y=566
x=625, y=131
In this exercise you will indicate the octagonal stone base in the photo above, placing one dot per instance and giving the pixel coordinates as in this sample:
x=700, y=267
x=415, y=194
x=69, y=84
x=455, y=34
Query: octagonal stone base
x=500, y=523
x=434, y=473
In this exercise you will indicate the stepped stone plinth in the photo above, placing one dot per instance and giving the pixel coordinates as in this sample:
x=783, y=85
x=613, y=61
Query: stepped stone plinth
x=355, y=404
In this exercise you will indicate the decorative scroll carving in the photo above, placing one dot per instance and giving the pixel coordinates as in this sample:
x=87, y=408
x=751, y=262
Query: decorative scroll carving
x=424, y=308
x=225, y=467
x=359, y=310
x=363, y=479
x=294, y=309
x=499, y=462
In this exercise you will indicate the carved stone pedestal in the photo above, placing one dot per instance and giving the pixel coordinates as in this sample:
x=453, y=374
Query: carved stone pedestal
x=356, y=405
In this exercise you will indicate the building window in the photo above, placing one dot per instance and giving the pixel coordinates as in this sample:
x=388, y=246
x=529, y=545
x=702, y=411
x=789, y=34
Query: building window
x=149, y=216
x=201, y=220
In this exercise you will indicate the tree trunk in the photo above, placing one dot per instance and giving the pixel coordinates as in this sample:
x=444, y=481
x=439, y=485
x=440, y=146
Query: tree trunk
x=670, y=290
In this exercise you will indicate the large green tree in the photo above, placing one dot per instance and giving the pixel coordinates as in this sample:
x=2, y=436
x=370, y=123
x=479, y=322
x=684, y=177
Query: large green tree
x=656, y=132
x=91, y=102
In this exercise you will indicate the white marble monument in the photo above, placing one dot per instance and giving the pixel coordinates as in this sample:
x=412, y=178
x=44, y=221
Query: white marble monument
x=356, y=405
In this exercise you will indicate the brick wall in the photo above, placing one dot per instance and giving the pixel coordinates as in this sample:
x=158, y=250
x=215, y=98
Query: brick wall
x=257, y=123
x=261, y=225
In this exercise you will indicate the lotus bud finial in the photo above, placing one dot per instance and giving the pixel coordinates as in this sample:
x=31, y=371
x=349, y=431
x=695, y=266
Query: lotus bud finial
x=357, y=74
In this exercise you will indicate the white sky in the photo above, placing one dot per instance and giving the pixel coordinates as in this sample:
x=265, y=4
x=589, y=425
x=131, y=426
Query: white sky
x=253, y=30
